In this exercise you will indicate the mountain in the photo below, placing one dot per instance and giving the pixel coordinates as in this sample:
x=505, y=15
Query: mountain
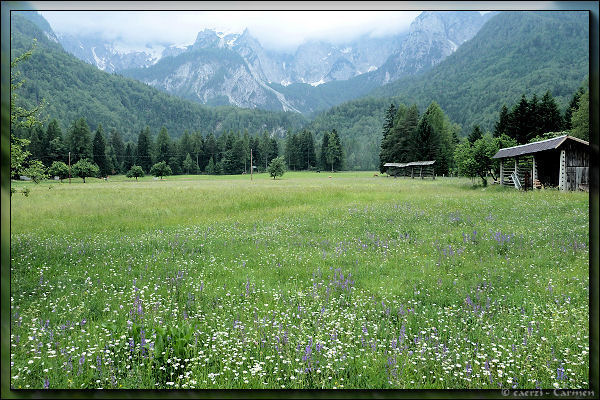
x=514, y=53
x=317, y=76
x=73, y=89
x=107, y=56
x=432, y=37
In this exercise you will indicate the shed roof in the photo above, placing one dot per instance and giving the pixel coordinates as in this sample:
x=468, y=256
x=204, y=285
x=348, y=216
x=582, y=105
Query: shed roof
x=410, y=164
x=543, y=145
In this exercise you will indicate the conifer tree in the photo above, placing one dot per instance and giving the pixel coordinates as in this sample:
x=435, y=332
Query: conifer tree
x=501, y=125
x=142, y=156
x=79, y=140
x=475, y=134
x=550, y=119
x=99, y=152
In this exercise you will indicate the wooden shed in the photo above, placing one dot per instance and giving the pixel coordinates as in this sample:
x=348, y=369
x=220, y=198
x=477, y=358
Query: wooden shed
x=562, y=162
x=422, y=169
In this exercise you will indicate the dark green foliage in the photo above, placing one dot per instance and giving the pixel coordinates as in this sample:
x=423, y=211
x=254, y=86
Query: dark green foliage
x=84, y=168
x=210, y=167
x=475, y=134
x=293, y=154
x=116, y=142
x=36, y=142
x=75, y=89
x=332, y=152
x=161, y=169
x=501, y=126
x=580, y=120
x=276, y=167
x=359, y=122
x=189, y=166
x=79, y=140
x=128, y=157
x=56, y=147
x=324, y=146
x=142, y=154
x=534, y=51
x=99, y=153
x=307, y=150
x=529, y=119
x=549, y=117
x=386, y=155
x=163, y=146
x=573, y=105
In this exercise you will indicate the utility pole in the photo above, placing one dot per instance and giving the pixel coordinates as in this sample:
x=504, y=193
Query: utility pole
x=251, y=167
x=69, y=167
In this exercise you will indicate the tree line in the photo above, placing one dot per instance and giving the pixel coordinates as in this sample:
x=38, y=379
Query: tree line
x=103, y=153
x=407, y=136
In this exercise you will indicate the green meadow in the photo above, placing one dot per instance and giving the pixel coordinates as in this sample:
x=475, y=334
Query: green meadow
x=312, y=280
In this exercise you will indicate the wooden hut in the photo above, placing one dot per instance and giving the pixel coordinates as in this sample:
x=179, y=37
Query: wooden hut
x=421, y=169
x=561, y=162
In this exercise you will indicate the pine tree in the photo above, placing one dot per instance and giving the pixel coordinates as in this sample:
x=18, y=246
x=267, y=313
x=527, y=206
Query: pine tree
x=163, y=146
x=573, y=105
x=211, y=148
x=116, y=141
x=189, y=166
x=79, y=140
x=99, y=152
x=339, y=159
x=427, y=141
x=142, y=156
x=36, y=143
x=198, y=150
x=52, y=132
x=501, y=125
x=475, y=134
x=518, y=124
x=550, y=118
x=324, y=145
x=293, y=154
x=307, y=146
x=210, y=167
x=386, y=143
x=128, y=157
x=581, y=118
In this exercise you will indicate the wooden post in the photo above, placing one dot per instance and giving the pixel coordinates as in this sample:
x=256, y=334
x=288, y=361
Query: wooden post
x=421, y=172
x=502, y=171
x=562, y=174
x=534, y=174
x=412, y=172
x=69, y=167
x=251, y=167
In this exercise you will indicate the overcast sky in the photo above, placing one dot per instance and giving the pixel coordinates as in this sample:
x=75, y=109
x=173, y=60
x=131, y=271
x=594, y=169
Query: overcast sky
x=277, y=30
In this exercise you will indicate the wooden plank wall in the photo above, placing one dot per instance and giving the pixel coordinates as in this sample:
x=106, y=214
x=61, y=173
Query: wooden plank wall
x=577, y=166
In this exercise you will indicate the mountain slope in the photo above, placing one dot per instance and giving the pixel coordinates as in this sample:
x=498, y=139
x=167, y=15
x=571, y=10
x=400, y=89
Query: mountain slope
x=432, y=37
x=514, y=53
x=319, y=75
x=73, y=88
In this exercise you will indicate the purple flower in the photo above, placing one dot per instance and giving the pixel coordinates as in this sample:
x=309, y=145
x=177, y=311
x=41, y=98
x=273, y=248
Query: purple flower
x=46, y=383
x=560, y=373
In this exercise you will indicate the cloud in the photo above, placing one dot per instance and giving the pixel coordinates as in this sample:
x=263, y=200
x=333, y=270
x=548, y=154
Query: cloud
x=276, y=30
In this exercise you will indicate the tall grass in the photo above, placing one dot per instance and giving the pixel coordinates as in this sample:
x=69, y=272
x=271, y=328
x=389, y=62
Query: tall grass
x=352, y=281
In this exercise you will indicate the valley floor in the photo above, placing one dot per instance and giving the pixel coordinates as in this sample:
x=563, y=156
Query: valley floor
x=307, y=281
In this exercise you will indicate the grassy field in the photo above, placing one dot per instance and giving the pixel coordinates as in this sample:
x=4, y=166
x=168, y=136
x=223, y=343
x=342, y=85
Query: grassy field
x=352, y=281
